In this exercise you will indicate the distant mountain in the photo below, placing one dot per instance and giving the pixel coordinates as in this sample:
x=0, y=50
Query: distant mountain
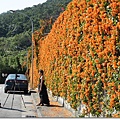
x=15, y=23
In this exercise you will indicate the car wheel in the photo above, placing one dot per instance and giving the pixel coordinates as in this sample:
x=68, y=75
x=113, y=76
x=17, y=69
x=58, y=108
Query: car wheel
x=5, y=91
x=26, y=92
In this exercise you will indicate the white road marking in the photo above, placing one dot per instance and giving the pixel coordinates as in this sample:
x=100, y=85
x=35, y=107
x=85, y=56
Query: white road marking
x=30, y=108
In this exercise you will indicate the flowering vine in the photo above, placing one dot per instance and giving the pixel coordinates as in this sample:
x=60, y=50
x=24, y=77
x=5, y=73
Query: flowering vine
x=81, y=56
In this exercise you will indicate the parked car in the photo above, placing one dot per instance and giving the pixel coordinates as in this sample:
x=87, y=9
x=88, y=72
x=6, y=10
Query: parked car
x=16, y=82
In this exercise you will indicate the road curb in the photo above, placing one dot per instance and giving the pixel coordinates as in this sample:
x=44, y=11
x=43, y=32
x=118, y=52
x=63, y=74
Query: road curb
x=34, y=102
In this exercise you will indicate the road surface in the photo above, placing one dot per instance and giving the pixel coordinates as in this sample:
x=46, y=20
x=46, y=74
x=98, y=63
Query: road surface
x=16, y=105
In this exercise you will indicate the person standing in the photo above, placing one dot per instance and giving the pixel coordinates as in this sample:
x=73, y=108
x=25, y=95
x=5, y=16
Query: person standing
x=42, y=90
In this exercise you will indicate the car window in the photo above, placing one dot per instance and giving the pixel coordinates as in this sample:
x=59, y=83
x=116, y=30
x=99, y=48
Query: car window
x=10, y=76
x=19, y=77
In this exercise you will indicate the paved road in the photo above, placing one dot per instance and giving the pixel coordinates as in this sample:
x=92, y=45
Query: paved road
x=17, y=109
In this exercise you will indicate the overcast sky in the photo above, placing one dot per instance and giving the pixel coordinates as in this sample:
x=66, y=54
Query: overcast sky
x=6, y=5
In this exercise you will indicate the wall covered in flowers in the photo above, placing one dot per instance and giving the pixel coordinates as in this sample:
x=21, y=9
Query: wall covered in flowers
x=81, y=56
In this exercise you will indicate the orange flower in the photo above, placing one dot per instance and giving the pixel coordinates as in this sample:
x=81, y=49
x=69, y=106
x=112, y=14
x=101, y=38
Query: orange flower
x=103, y=75
x=97, y=60
x=93, y=73
x=98, y=66
x=114, y=65
x=81, y=96
x=77, y=96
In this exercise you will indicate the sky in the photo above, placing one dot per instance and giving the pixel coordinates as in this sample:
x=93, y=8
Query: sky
x=6, y=5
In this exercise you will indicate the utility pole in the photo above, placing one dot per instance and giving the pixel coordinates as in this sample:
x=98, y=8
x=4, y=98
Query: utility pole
x=13, y=11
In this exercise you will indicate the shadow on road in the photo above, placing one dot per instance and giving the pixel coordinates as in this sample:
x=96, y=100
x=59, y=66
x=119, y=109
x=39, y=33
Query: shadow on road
x=19, y=93
x=51, y=106
x=12, y=109
x=32, y=91
x=55, y=106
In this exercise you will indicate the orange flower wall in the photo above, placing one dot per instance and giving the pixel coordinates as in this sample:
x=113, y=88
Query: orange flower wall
x=81, y=56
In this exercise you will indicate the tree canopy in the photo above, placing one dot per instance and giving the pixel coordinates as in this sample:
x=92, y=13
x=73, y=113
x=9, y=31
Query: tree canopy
x=15, y=30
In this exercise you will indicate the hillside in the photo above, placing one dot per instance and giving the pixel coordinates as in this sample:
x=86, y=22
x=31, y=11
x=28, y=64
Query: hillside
x=15, y=31
x=12, y=24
